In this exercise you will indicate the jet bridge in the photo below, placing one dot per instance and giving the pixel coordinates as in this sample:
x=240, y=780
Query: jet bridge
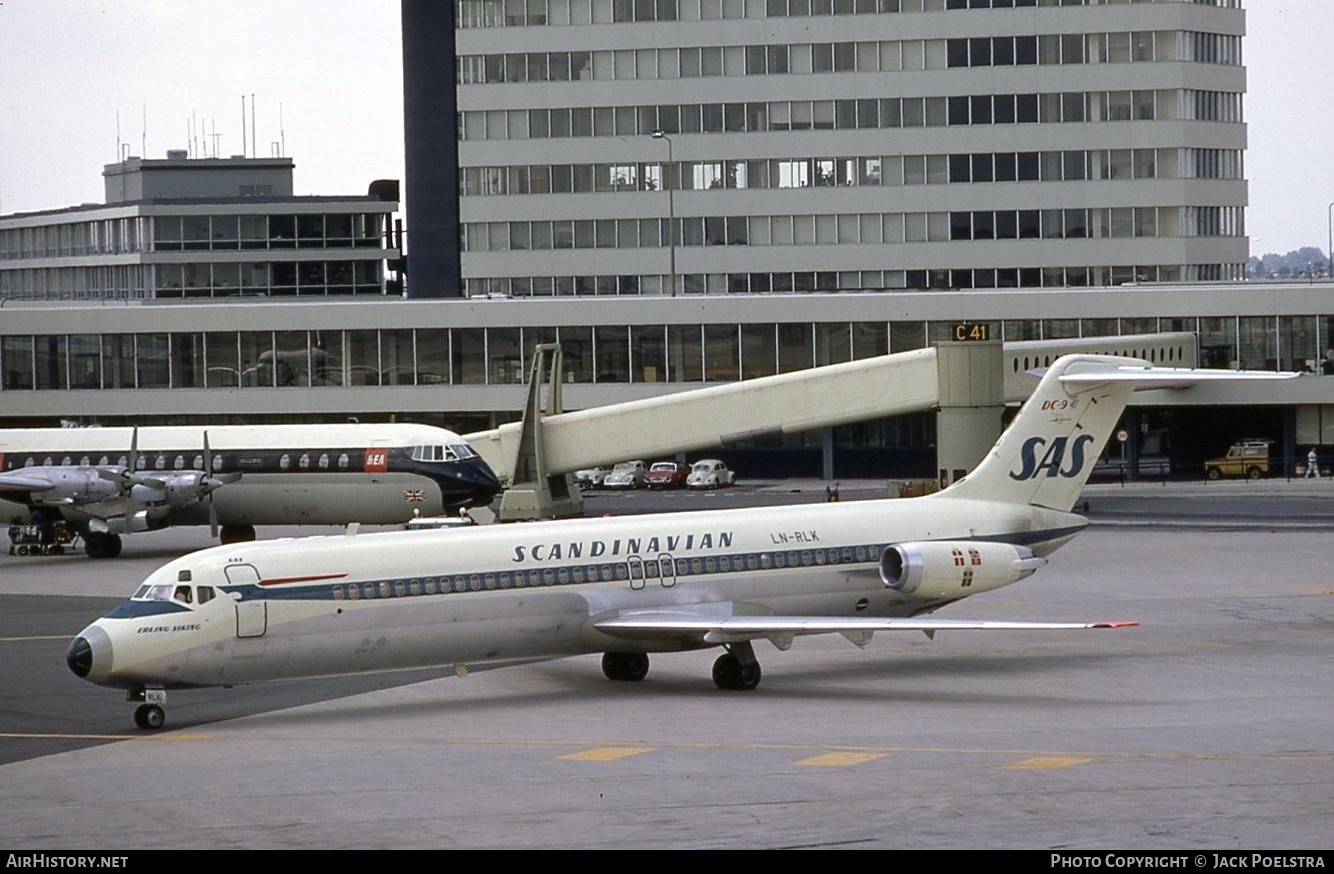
x=967, y=383
x=717, y=416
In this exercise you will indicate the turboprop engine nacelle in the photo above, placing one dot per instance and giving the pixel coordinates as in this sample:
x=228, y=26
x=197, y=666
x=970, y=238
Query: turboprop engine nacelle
x=954, y=568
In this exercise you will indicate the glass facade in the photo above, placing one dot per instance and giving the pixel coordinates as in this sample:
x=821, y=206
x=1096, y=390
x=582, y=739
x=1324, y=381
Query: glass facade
x=601, y=354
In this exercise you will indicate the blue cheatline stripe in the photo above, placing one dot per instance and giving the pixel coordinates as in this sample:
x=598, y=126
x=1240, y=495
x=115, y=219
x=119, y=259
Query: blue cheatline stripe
x=860, y=557
x=137, y=609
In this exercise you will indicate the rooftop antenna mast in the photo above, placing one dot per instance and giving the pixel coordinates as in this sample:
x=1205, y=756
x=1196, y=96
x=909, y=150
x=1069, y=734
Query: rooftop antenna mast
x=282, y=133
x=143, y=141
x=243, y=126
x=254, y=152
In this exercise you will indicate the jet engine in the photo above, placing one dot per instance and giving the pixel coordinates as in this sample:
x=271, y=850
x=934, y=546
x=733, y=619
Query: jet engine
x=954, y=568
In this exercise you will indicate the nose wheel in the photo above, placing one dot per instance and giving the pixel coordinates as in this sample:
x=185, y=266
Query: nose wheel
x=152, y=714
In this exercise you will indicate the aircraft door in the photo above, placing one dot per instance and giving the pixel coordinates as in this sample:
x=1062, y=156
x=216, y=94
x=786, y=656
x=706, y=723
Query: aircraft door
x=667, y=567
x=252, y=616
x=638, y=572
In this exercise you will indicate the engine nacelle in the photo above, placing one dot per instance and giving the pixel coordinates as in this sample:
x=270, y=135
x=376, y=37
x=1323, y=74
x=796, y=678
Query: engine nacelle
x=73, y=485
x=954, y=568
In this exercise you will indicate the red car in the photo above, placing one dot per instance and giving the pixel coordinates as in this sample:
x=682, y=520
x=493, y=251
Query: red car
x=666, y=475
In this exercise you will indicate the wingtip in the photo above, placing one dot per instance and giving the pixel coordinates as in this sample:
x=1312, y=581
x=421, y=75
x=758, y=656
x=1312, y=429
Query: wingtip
x=1114, y=625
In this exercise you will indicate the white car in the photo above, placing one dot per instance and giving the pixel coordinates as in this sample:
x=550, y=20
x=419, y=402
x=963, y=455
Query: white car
x=591, y=477
x=626, y=475
x=710, y=473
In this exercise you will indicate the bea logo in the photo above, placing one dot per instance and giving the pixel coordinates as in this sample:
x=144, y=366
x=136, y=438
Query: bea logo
x=1053, y=460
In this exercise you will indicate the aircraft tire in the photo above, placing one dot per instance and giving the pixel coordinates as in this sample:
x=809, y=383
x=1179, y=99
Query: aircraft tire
x=236, y=534
x=731, y=675
x=628, y=666
x=97, y=545
x=150, y=717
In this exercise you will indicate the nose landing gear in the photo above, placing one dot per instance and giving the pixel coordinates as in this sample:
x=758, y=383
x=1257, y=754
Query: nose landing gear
x=152, y=714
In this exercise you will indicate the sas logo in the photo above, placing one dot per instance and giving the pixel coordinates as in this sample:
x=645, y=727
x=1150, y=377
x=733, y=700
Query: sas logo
x=1053, y=460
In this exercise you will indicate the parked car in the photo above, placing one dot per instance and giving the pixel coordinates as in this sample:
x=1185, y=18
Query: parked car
x=666, y=475
x=591, y=477
x=710, y=473
x=626, y=475
x=1248, y=458
x=1119, y=467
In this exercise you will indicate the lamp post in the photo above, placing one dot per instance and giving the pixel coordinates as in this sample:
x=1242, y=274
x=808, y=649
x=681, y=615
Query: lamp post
x=671, y=206
x=1329, y=253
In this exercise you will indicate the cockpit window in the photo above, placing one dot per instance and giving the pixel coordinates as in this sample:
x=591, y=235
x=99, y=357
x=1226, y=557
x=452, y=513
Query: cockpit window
x=426, y=453
x=180, y=594
x=452, y=452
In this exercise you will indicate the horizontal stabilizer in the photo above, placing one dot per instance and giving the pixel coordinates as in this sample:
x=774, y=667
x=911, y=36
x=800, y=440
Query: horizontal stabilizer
x=1145, y=378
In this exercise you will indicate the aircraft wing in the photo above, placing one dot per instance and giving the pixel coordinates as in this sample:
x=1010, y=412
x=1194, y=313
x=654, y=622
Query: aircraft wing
x=780, y=630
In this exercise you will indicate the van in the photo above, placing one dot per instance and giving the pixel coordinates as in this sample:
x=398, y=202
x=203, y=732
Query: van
x=1248, y=458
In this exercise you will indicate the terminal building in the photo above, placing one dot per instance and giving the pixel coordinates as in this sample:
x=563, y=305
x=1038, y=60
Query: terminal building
x=181, y=227
x=462, y=363
x=754, y=146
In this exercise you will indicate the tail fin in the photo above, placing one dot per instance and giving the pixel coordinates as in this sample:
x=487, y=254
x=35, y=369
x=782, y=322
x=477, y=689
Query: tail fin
x=1047, y=453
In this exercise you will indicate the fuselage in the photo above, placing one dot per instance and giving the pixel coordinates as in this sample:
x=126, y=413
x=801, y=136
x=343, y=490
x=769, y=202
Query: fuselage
x=289, y=474
x=313, y=606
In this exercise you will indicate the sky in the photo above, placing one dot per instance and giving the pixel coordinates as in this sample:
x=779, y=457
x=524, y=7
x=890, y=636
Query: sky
x=85, y=81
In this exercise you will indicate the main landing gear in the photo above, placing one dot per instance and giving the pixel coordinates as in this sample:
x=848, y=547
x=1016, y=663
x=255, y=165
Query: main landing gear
x=98, y=544
x=631, y=666
x=236, y=534
x=736, y=670
x=152, y=714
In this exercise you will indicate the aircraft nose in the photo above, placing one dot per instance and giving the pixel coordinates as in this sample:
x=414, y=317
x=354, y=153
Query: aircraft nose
x=483, y=481
x=89, y=655
x=79, y=657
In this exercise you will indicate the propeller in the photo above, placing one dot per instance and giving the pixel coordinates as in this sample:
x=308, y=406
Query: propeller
x=212, y=482
x=129, y=477
x=208, y=473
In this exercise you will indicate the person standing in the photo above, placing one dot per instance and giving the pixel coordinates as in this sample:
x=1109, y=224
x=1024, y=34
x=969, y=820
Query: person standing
x=1312, y=464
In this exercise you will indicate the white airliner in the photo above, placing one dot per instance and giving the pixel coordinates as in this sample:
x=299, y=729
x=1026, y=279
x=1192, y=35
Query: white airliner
x=106, y=482
x=488, y=596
